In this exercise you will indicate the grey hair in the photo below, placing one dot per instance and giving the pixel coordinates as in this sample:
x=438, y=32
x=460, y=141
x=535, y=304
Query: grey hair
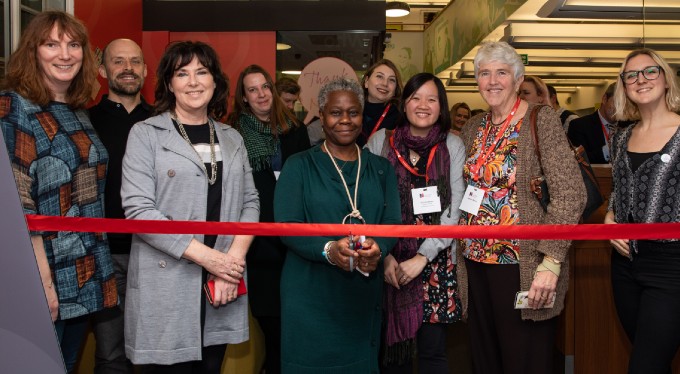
x=501, y=52
x=340, y=84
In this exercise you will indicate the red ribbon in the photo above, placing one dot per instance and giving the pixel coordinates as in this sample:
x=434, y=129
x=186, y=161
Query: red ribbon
x=542, y=232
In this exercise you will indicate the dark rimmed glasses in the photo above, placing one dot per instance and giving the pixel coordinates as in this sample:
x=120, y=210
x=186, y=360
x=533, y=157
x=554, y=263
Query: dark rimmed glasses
x=650, y=73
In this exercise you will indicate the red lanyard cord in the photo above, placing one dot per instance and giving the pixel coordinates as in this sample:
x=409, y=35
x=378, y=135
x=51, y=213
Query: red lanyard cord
x=484, y=153
x=409, y=167
x=380, y=120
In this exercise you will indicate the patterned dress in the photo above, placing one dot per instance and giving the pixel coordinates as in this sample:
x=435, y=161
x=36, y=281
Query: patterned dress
x=60, y=167
x=441, y=303
x=499, y=206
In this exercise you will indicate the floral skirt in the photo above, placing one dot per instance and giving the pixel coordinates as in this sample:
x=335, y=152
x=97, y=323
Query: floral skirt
x=441, y=303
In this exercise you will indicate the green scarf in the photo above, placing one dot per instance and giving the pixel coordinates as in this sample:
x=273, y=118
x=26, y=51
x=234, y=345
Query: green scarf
x=260, y=143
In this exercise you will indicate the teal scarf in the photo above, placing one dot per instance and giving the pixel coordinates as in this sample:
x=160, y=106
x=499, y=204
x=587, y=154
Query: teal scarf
x=260, y=143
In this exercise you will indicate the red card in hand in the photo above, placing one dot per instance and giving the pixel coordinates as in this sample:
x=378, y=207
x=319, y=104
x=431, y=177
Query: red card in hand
x=209, y=288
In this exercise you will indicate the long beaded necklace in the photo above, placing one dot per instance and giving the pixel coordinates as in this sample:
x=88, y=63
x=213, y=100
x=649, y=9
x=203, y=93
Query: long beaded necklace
x=353, y=203
x=213, y=160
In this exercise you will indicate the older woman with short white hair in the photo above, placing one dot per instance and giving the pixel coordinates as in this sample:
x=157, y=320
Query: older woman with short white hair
x=331, y=285
x=501, y=161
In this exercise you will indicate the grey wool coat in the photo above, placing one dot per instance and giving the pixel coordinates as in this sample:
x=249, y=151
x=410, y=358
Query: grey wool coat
x=163, y=179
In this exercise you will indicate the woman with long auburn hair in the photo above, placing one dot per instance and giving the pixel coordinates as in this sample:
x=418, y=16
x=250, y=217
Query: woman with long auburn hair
x=59, y=165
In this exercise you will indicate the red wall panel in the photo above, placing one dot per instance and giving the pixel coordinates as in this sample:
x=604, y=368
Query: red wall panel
x=108, y=20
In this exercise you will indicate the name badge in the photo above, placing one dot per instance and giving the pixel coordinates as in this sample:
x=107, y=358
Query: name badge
x=605, y=152
x=472, y=200
x=425, y=200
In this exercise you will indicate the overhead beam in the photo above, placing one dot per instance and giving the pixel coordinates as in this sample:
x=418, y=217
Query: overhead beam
x=264, y=15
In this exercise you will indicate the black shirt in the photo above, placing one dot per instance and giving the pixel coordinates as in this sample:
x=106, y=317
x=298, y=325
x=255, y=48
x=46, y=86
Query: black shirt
x=372, y=114
x=200, y=135
x=113, y=124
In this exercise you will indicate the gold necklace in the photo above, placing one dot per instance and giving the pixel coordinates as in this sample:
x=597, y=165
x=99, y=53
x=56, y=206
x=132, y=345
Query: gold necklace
x=213, y=161
x=353, y=203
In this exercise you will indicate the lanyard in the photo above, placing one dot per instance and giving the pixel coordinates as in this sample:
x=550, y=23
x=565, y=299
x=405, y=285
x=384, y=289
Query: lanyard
x=604, y=130
x=485, y=153
x=352, y=203
x=382, y=117
x=408, y=167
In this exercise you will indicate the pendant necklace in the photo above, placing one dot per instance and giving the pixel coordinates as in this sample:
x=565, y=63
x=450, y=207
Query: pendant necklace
x=353, y=203
x=213, y=163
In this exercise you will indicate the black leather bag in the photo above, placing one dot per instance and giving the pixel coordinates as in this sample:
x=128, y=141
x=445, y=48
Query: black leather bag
x=539, y=187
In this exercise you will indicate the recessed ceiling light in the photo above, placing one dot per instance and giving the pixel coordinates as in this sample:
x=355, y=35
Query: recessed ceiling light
x=282, y=46
x=291, y=72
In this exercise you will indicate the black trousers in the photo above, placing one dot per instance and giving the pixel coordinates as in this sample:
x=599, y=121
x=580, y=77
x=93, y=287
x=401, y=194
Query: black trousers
x=210, y=364
x=271, y=329
x=647, y=297
x=431, y=340
x=500, y=341
x=211, y=357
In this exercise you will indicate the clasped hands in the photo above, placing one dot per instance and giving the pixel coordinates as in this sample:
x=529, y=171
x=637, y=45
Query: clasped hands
x=399, y=274
x=365, y=259
x=226, y=270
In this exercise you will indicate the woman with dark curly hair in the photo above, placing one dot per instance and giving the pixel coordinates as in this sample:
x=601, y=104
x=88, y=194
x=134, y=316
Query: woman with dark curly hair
x=331, y=286
x=184, y=165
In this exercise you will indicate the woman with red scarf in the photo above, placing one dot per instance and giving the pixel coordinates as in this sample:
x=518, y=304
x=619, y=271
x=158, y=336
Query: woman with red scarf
x=421, y=296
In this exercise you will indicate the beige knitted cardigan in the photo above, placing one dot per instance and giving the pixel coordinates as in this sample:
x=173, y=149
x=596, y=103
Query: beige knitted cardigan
x=567, y=194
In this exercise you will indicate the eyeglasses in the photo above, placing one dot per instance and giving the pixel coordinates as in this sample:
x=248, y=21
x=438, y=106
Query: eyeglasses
x=650, y=73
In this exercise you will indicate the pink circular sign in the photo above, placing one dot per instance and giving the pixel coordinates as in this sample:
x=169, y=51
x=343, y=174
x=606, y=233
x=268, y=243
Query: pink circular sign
x=316, y=74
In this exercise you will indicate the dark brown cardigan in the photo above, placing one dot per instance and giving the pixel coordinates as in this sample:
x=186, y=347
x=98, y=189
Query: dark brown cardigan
x=567, y=194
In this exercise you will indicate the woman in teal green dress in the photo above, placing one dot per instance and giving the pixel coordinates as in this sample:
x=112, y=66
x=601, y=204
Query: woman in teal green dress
x=331, y=295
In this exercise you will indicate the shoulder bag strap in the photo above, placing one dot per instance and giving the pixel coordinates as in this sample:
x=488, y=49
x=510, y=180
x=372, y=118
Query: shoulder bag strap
x=534, y=133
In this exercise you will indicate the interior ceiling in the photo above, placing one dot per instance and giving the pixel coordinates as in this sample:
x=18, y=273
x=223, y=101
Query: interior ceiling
x=573, y=43
x=569, y=43
x=353, y=47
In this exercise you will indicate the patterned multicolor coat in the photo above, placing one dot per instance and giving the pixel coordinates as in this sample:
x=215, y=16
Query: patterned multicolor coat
x=59, y=166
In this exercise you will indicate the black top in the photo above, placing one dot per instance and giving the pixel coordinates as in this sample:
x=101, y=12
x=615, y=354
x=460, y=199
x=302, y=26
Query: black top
x=200, y=135
x=637, y=159
x=267, y=253
x=113, y=124
x=372, y=113
x=587, y=131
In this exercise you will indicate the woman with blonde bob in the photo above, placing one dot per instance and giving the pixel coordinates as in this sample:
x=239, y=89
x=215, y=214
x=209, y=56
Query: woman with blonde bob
x=645, y=169
x=534, y=90
x=501, y=161
x=460, y=114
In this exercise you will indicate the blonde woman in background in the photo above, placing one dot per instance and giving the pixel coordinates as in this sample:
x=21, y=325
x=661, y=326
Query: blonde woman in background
x=534, y=90
x=460, y=114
